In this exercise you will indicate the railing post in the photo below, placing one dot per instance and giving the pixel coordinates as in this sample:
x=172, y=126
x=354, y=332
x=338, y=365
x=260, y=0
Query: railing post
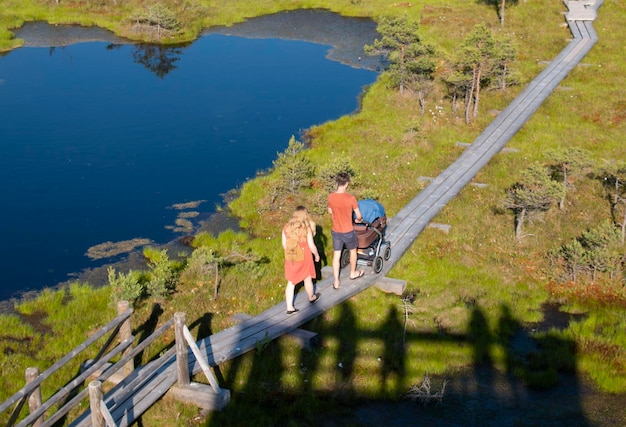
x=210, y=396
x=95, y=397
x=34, y=400
x=182, y=359
x=125, y=333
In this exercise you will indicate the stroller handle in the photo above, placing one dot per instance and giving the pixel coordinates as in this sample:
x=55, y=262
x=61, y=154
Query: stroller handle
x=364, y=222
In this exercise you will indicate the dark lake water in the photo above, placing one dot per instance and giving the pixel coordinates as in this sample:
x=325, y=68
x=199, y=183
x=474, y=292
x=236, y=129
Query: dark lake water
x=107, y=141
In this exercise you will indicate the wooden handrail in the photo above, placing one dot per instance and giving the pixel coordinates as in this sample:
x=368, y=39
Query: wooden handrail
x=81, y=395
x=145, y=372
x=136, y=350
x=29, y=388
x=73, y=384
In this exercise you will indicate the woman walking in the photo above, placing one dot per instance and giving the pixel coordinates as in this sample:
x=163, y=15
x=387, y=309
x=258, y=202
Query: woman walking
x=300, y=249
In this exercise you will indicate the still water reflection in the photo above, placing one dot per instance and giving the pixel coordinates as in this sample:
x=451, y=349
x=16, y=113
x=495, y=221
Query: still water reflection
x=108, y=141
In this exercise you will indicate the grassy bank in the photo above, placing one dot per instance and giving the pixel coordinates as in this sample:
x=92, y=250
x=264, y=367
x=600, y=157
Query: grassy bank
x=468, y=290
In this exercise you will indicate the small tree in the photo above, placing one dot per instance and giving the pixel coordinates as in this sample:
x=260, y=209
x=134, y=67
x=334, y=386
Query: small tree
x=421, y=68
x=163, y=276
x=226, y=250
x=162, y=18
x=480, y=59
x=458, y=85
x=571, y=257
x=328, y=173
x=566, y=164
x=124, y=286
x=294, y=168
x=158, y=18
x=500, y=6
x=535, y=192
x=605, y=252
x=476, y=58
x=505, y=53
x=596, y=255
x=613, y=177
x=204, y=264
x=410, y=61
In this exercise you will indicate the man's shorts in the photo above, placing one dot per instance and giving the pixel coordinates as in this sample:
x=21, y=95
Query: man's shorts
x=349, y=239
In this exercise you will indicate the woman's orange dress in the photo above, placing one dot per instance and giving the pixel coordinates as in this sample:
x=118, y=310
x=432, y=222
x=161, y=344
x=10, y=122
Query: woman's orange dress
x=297, y=271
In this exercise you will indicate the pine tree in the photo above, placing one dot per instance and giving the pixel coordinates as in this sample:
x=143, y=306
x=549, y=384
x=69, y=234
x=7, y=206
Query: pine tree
x=566, y=164
x=411, y=64
x=613, y=177
x=535, y=192
x=294, y=168
x=482, y=60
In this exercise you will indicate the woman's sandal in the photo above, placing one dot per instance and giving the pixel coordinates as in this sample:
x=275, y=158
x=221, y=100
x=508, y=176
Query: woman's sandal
x=336, y=287
x=295, y=310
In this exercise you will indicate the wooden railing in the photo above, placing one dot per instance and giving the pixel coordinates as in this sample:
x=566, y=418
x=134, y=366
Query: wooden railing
x=31, y=392
x=135, y=393
x=101, y=368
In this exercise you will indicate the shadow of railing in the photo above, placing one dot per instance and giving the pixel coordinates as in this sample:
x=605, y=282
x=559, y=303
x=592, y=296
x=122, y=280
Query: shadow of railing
x=502, y=380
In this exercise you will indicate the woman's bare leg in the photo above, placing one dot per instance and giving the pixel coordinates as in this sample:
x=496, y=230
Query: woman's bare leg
x=308, y=287
x=289, y=294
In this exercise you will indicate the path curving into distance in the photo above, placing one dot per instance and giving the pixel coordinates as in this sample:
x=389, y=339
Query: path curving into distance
x=415, y=216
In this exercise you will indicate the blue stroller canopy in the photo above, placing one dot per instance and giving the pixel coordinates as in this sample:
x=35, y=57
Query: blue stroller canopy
x=371, y=209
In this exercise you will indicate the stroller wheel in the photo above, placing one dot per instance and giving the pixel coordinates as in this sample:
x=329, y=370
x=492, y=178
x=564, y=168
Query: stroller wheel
x=345, y=258
x=387, y=253
x=378, y=264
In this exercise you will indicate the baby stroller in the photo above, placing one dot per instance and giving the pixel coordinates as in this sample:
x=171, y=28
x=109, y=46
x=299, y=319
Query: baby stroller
x=372, y=249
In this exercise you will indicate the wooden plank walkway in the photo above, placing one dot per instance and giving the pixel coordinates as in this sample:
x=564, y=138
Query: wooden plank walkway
x=133, y=396
x=414, y=217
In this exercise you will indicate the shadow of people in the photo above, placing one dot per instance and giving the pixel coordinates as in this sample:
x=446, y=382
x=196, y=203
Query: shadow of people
x=481, y=339
x=508, y=329
x=544, y=367
x=394, y=356
x=346, y=349
x=261, y=392
x=204, y=326
x=309, y=358
x=147, y=329
x=320, y=240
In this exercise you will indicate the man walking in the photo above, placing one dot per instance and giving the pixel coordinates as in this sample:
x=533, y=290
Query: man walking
x=341, y=206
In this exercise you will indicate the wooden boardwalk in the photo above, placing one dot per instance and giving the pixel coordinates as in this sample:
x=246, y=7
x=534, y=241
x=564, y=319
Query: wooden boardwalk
x=137, y=392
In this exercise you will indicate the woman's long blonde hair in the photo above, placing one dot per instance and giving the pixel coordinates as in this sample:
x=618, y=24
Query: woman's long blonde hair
x=300, y=223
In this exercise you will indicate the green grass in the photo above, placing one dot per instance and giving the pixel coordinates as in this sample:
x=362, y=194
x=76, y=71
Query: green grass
x=474, y=280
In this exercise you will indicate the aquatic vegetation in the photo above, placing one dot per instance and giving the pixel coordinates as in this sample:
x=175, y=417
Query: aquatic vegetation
x=187, y=205
x=111, y=249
